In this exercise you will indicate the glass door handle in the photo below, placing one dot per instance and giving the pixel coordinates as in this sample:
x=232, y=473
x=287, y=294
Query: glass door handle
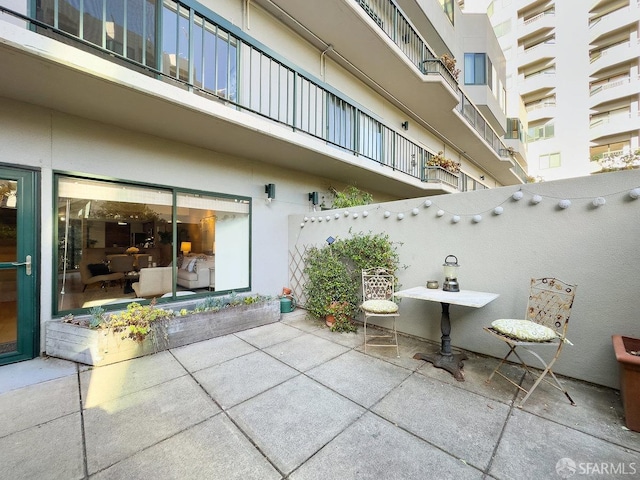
x=26, y=263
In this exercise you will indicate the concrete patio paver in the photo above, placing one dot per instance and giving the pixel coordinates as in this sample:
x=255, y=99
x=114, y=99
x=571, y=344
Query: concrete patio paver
x=373, y=448
x=531, y=447
x=37, y=404
x=293, y=420
x=214, y=449
x=241, y=378
x=300, y=404
x=119, y=428
x=271, y=334
x=463, y=423
x=359, y=377
x=205, y=354
x=306, y=351
x=50, y=450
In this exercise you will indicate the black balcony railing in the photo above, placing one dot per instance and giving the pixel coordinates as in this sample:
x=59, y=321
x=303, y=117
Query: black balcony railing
x=395, y=25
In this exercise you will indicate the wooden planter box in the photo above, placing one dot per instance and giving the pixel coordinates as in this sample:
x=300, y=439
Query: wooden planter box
x=629, y=378
x=102, y=346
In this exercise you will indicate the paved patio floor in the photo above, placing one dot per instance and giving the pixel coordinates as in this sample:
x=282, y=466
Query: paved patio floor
x=294, y=400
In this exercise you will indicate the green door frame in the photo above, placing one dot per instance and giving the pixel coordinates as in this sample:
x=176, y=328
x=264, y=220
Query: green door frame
x=28, y=234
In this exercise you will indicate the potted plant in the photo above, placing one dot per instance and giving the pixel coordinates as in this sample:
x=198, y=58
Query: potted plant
x=450, y=63
x=627, y=352
x=340, y=317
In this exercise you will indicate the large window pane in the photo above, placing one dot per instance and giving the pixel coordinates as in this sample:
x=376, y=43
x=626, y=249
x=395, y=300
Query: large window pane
x=69, y=16
x=169, y=37
x=114, y=26
x=97, y=222
x=213, y=236
x=92, y=21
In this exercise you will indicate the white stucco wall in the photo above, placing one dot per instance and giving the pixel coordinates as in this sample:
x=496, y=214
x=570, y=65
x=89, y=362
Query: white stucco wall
x=595, y=248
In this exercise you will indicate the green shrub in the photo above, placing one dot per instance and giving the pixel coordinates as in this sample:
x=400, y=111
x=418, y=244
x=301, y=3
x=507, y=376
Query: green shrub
x=334, y=271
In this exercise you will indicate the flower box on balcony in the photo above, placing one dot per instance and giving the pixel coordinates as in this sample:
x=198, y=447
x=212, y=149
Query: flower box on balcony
x=103, y=346
x=629, y=378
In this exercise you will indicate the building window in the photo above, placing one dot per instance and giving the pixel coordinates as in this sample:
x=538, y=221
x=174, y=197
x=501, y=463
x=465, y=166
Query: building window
x=541, y=132
x=447, y=7
x=126, y=28
x=119, y=241
x=475, y=68
x=550, y=160
x=502, y=29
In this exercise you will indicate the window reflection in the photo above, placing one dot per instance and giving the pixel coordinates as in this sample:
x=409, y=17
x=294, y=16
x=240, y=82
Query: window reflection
x=118, y=242
x=216, y=230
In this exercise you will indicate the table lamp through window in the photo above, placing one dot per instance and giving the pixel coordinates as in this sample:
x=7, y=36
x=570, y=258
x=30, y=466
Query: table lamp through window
x=185, y=247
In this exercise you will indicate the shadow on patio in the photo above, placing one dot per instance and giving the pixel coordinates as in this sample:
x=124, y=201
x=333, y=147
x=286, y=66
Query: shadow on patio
x=294, y=400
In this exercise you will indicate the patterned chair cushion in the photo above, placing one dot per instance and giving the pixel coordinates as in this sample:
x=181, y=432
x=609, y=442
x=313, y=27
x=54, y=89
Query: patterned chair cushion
x=524, y=330
x=379, y=306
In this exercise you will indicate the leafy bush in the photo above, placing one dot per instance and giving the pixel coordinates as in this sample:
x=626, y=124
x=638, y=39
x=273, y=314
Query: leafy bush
x=350, y=197
x=334, y=271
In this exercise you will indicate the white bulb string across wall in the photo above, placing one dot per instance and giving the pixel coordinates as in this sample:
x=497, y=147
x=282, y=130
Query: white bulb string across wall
x=562, y=203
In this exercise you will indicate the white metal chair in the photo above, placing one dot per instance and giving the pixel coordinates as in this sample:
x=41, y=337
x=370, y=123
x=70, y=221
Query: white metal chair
x=377, y=294
x=547, y=319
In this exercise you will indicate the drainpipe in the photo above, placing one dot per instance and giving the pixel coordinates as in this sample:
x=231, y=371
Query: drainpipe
x=322, y=60
x=246, y=14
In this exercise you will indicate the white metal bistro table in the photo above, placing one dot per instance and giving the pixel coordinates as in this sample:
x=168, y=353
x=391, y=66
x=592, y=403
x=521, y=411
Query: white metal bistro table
x=445, y=359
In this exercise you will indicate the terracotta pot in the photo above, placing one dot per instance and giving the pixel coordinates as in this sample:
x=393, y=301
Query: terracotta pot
x=629, y=378
x=329, y=320
x=286, y=291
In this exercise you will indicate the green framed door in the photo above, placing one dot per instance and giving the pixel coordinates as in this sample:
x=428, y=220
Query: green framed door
x=19, y=202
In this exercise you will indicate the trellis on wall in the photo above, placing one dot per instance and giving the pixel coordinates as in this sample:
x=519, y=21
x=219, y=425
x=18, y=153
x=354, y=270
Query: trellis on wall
x=297, y=278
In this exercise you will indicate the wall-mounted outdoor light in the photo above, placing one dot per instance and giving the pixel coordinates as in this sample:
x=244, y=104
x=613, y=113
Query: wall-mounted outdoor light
x=313, y=198
x=270, y=190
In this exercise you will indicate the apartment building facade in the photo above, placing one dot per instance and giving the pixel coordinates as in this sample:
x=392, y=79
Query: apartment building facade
x=146, y=133
x=574, y=66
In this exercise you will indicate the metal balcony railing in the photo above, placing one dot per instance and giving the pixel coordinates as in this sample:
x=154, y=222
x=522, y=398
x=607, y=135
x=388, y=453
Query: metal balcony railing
x=259, y=83
x=396, y=26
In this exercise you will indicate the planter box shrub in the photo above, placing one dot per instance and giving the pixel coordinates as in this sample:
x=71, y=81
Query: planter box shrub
x=103, y=346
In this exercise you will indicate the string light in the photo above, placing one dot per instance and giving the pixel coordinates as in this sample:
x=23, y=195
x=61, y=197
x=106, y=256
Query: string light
x=563, y=204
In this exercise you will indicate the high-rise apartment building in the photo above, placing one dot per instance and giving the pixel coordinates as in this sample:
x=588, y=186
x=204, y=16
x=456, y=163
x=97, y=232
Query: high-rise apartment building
x=572, y=66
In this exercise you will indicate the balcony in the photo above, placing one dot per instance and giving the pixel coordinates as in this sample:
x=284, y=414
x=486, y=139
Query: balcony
x=537, y=25
x=619, y=53
x=374, y=41
x=45, y=72
x=614, y=20
x=544, y=80
x=606, y=92
x=540, y=52
x=542, y=110
x=606, y=126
